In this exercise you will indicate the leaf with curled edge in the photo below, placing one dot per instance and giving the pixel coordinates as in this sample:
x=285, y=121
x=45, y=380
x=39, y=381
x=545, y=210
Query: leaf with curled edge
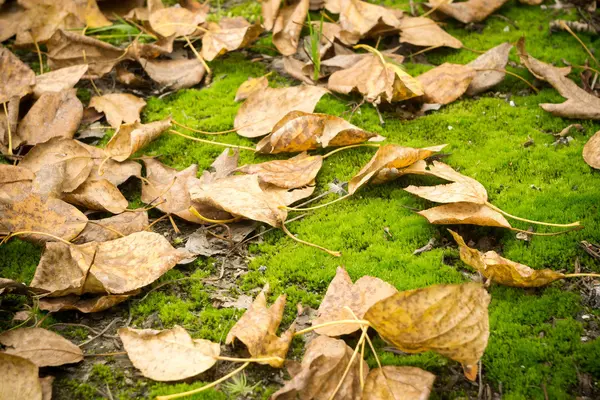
x=130, y=138
x=105, y=229
x=174, y=74
x=85, y=305
x=176, y=21
x=422, y=31
x=591, y=151
x=250, y=86
x=58, y=80
x=446, y=83
x=468, y=11
x=288, y=26
x=295, y=172
x=16, y=78
x=392, y=383
x=119, y=108
x=465, y=213
x=229, y=34
x=359, y=19
x=489, y=68
x=40, y=346
x=97, y=195
x=19, y=378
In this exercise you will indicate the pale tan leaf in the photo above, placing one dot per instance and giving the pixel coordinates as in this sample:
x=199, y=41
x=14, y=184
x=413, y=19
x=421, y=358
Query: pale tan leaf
x=421, y=31
x=228, y=35
x=87, y=305
x=130, y=138
x=359, y=19
x=46, y=383
x=176, y=21
x=270, y=8
x=394, y=383
x=174, y=74
x=465, y=213
x=489, y=69
x=103, y=230
x=468, y=11
x=295, y=172
x=446, y=83
x=19, y=378
x=15, y=182
x=119, y=108
x=40, y=346
x=591, y=151
x=99, y=195
x=250, y=86
x=288, y=26
x=59, y=80
x=113, y=171
x=16, y=78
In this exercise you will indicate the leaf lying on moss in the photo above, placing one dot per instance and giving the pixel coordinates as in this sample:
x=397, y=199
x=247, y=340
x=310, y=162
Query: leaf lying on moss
x=250, y=86
x=421, y=31
x=295, y=172
x=391, y=383
x=130, y=138
x=228, y=35
x=119, y=108
x=40, y=346
x=288, y=26
x=468, y=11
x=359, y=19
x=489, y=69
x=446, y=83
x=591, y=151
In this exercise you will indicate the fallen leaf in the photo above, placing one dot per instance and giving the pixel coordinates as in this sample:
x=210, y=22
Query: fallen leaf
x=113, y=171
x=11, y=17
x=10, y=286
x=390, y=383
x=489, y=69
x=201, y=243
x=269, y=9
x=130, y=79
x=358, y=297
x=54, y=115
x=130, y=138
x=465, y=213
x=105, y=229
x=143, y=13
x=174, y=74
x=228, y=35
x=162, y=47
x=449, y=319
x=504, y=271
x=168, y=355
x=347, y=60
x=468, y=11
x=257, y=329
x=16, y=78
x=176, y=21
x=99, y=195
x=87, y=305
x=288, y=26
x=46, y=383
x=421, y=31
x=19, y=378
x=119, y=108
x=591, y=151
x=295, y=172
x=59, y=80
x=8, y=127
x=322, y=367
x=40, y=346
x=250, y=86
x=15, y=182
x=446, y=83
x=359, y=19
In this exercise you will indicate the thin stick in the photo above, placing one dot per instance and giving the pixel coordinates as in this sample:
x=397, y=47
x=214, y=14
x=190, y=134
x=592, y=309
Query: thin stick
x=473, y=50
x=581, y=275
x=588, y=68
x=493, y=207
x=361, y=322
x=95, y=332
x=156, y=221
x=256, y=359
x=339, y=385
x=210, y=141
x=198, y=56
x=546, y=234
x=566, y=27
x=424, y=50
x=360, y=367
x=511, y=74
x=287, y=232
x=173, y=224
x=10, y=152
x=319, y=206
x=101, y=332
x=106, y=227
x=350, y=147
x=98, y=92
x=145, y=208
x=117, y=353
x=196, y=214
x=10, y=235
x=213, y=133
x=203, y=388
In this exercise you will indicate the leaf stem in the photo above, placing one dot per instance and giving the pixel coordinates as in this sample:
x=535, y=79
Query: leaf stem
x=548, y=233
x=196, y=214
x=582, y=275
x=319, y=206
x=174, y=132
x=361, y=322
x=205, y=132
x=198, y=56
x=350, y=147
x=287, y=232
x=339, y=385
x=10, y=235
x=255, y=359
x=493, y=207
x=568, y=29
x=511, y=74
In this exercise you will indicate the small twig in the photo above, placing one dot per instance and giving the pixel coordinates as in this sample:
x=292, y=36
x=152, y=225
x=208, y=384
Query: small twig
x=210, y=141
x=101, y=333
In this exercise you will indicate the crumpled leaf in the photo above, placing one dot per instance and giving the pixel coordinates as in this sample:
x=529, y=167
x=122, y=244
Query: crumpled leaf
x=40, y=346
x=202, y=243
x=504, y=271
x=449, y=319
x=103, y=230
x=54, y=115
x=468, y=11
x=465, y=213
x=19, y=378
x=389, y=157
x=176, y=21
x=15, y=182
x=228, y=35
x=359, y=19
x=322, y=367
x=579, y=104
x=495, y=58
x=300, y=131
x=99, y=195
x=130, y=138
x=295, y=172
x=257, y=329
x=376, y=79
x=168, y=355
x=591, y=151
x=16, y=78
x=288, y=26
x=59, y=80
x=119, y=108
x=446, y=83
x=391, y=383
x=174, y=74
x=422, y=31
x=262, y=110
x=84, y=305
x=359, y=297
x=250, y=86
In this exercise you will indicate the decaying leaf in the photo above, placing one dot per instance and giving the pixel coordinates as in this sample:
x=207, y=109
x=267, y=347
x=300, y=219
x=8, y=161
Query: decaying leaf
x=446, y=83
x=40, y=346
x=295, y=172
x=288, y=26
x=15, y=182
x=257, y=329
x=168, y=355
x=579, y=104
x=176, y=21
x=504, y=271
x=250, y=86
x=54, y=115
x=359, y=19
x=358, y=297
x=422, y=31
x=228, y=35
x=465, y=213
x=59, y=80
x=300, y=131
x=389, y=157
x=119, y=108
x=468, y=11
x=489, y=69
x=19, y=378
x=84, y=305
x=103, y=230
x=391, y=383
x=130, y=138
x=322, y=367
x=99, y=195
x=174, y=74
x=591, y=151
x=449, y=319
x=16, y=78
x=262, y=110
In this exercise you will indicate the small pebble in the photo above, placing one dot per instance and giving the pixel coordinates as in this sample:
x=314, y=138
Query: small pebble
x=586, y=316
x=585, y=338
x=450, y=128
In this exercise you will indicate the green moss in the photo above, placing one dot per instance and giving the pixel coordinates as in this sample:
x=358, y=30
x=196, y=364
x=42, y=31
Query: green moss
x=162, y=389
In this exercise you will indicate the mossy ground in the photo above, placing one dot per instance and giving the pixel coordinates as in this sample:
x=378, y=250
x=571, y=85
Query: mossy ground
x=535, y=349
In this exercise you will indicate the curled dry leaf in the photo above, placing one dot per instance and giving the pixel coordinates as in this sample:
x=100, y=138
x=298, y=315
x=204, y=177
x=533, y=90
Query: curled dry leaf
x=176, y=21
x=288, y=26
x=40, y=346
x=257, y=329
x=391, y=383
x=591, y=151
x=446, y=83
x=84, y=305
x=468, y=11
x=119, y=108
x=465, y=213
x=449, y=319
x=295, y=172
x=389, y=157
x=59, y=80
x=113, y=171
x=19, y=378
x=489, y=69
x=103, y=230
x=174, y=74
x=358, y=297
x=15, y=182
x=504, y=271
x=10, y=286
x=250, y=86
x=262, y=110
x=54, y=115
x=300, y=131
x=130, y=138
x=579, y=104
x=359, y=19
x=270, y=8
x=99, y=195
x=168, y=355
x=16, y=78
x=322, y=367
x=228, y=35
x=421, y=31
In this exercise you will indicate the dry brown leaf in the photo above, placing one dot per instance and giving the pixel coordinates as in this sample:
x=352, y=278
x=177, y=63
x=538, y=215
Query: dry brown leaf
x=295, y=172
x=54, y=115
x=162, y=47
x=392, y=383
x=228, y=35
x=322, y=367
x=119, y=108
x=99, y=195
x=40, y=346
x=87, y=305
x=270, y=8
x=42, y=19
x=359, y=19
x=59, y=80
x=15, y=182
x=10, y=286
x=579, y=104
x=348, y=59
x=103, y=230
x=257, y=329
x=489, y=69
x=143, y=13
x=591, y=151
x=421, y=31
x=468, y=11
x=174, y=74
x=8, y=126
x=449, y=319
x=128, y=78
x=19, y=378
x=113, y=171
x=250, y=86
x=11, y=19
x=130, y=138
x=359, y=297
x=262, y=110
x=504, y=271
x=176, y=21
x=16, y=78
x=389, y=157
x=46, y=383
x=288, y=26
x=168, y=355
x=465, y=213
x=446, y=83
